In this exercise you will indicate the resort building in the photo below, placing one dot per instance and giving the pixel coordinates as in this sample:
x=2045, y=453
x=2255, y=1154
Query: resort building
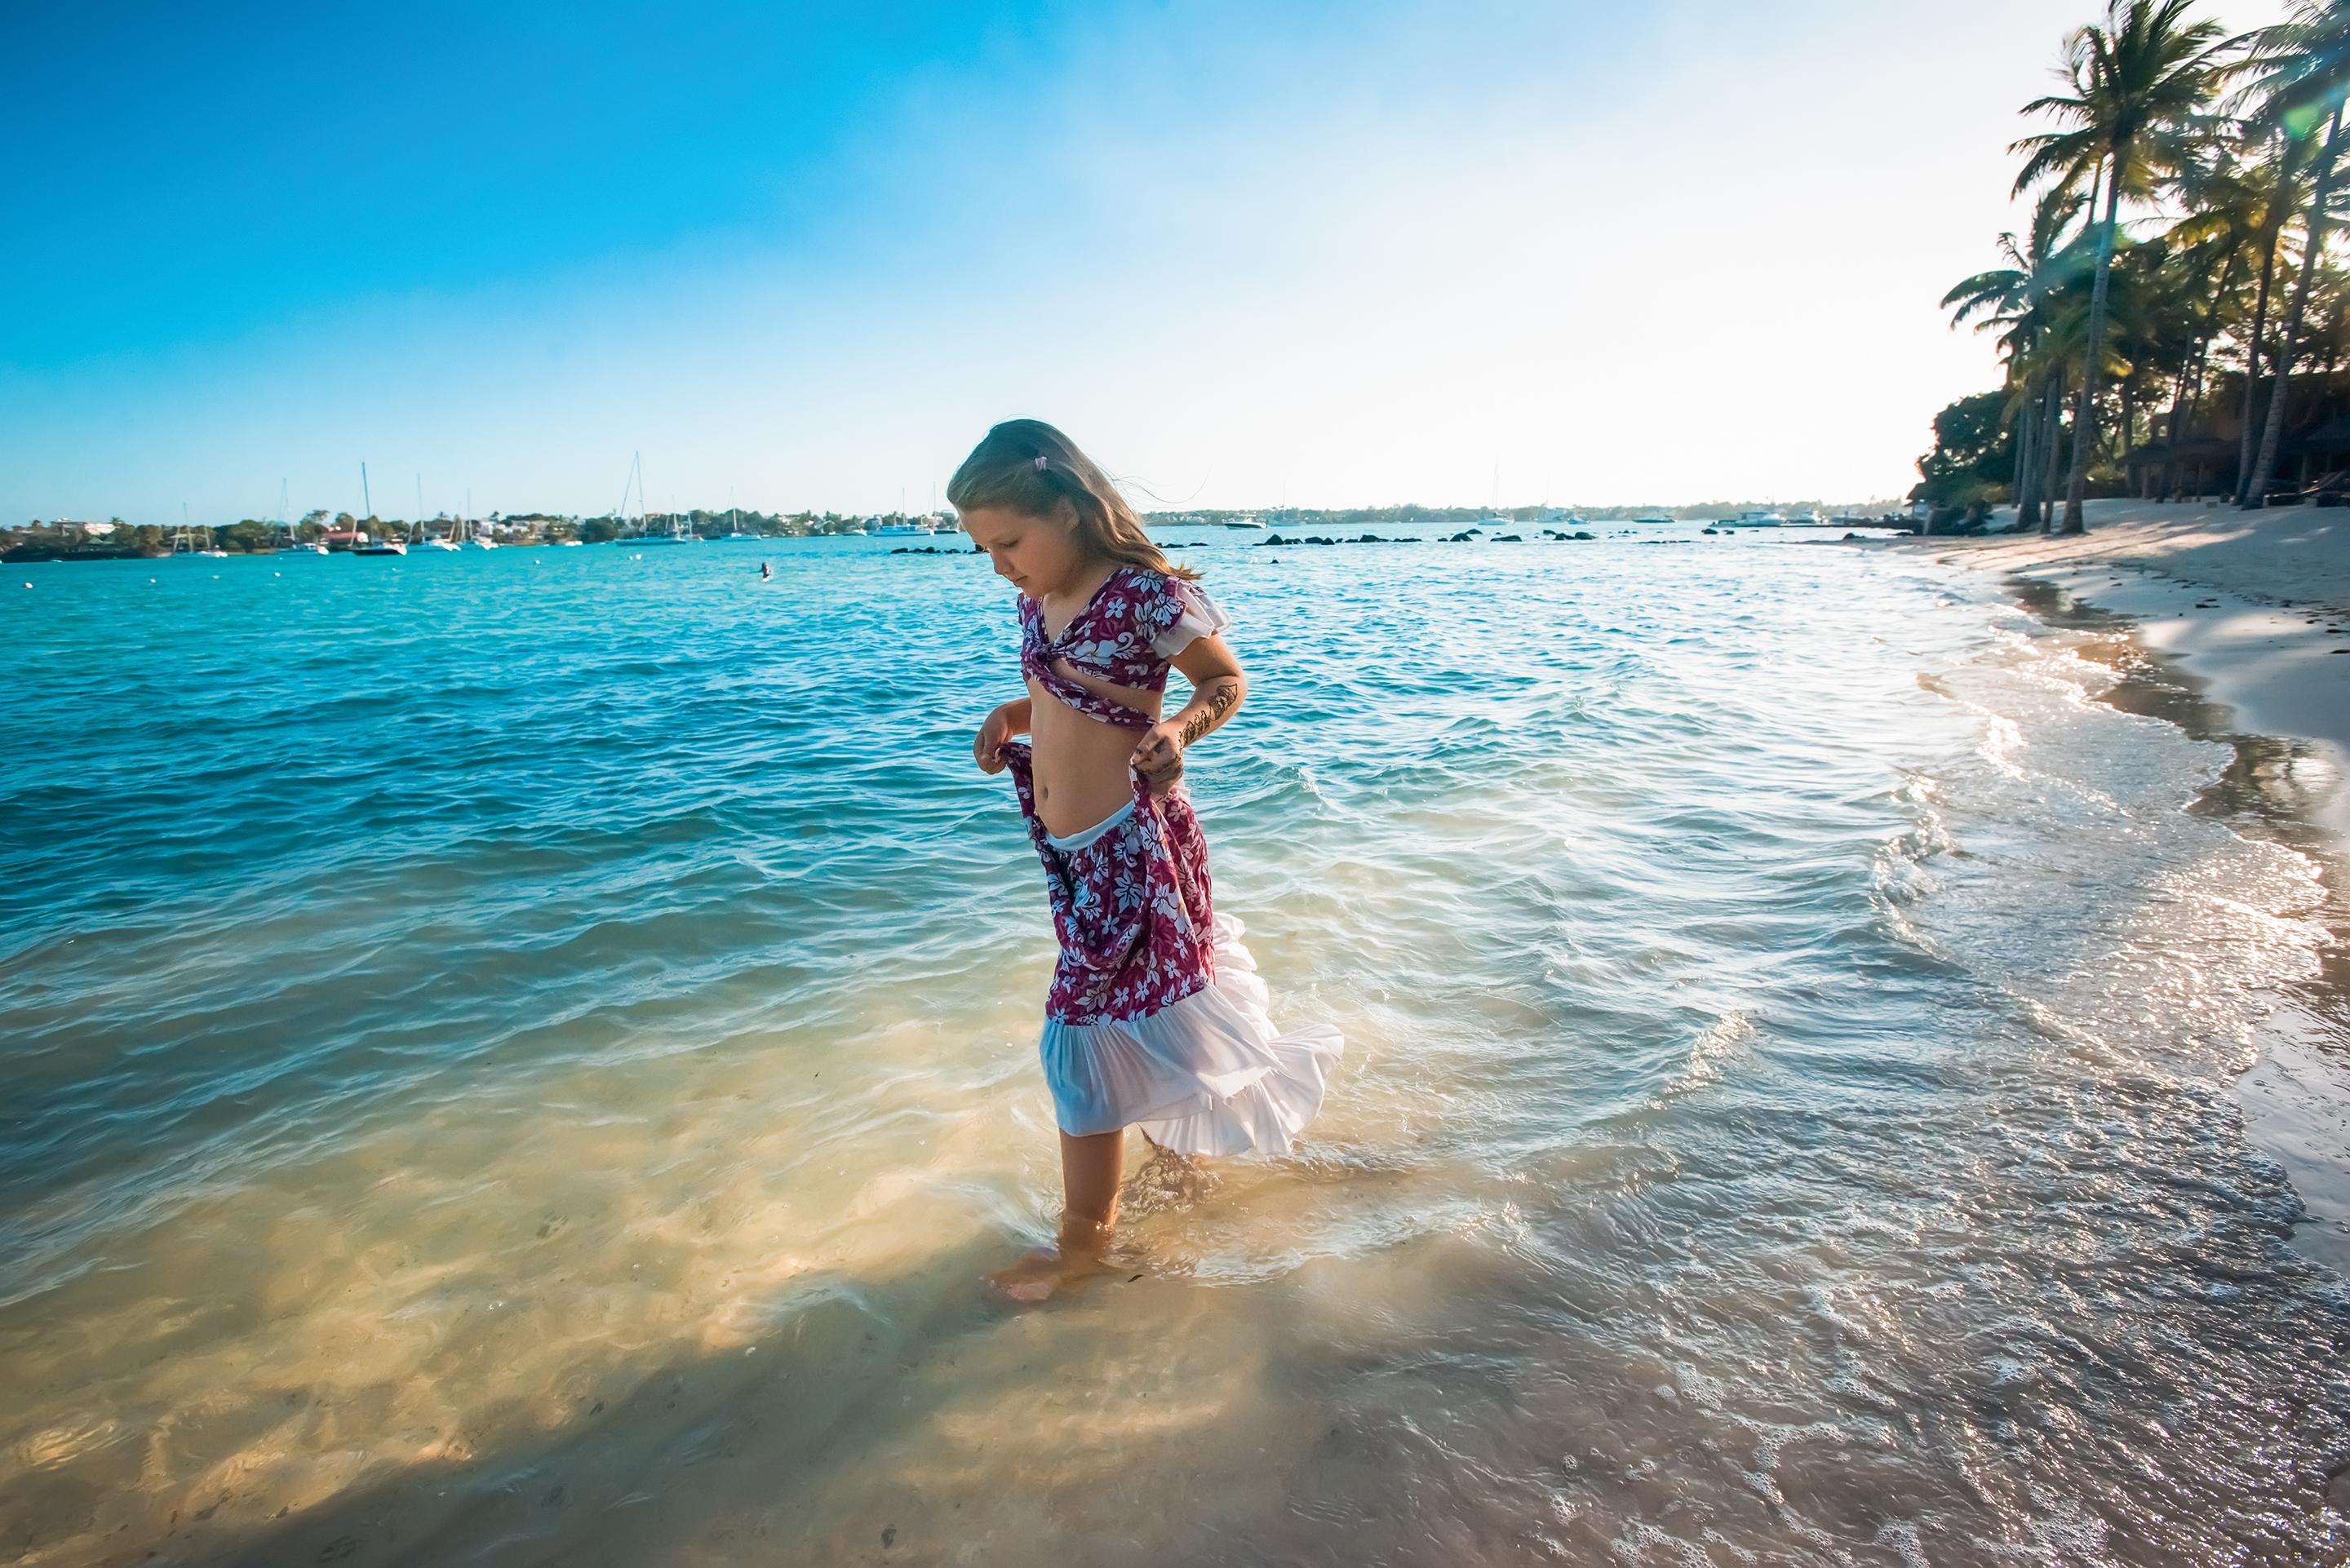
x=2206, y=454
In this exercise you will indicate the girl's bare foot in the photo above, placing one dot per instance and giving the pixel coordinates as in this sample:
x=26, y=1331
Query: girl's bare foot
x=1039, y=1276
x=1054, y=1271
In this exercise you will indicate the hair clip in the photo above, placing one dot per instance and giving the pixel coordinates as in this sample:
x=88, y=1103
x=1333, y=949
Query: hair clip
x=1040, y=462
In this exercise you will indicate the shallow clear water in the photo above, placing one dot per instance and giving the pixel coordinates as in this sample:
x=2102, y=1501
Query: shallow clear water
x=526, y=1057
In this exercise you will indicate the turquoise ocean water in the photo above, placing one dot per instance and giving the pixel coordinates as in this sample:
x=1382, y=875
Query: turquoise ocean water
x=524, y=1058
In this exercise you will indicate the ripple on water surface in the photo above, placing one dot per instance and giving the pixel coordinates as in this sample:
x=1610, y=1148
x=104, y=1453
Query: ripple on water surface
x=521, y=1054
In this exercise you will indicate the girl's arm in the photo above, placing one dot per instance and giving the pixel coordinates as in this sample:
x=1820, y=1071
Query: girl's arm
x=1004, y=721
x=1217, y=687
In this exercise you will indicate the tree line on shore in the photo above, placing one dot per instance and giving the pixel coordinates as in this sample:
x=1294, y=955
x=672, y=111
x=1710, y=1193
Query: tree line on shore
x=2174, y=276
x=254, y=535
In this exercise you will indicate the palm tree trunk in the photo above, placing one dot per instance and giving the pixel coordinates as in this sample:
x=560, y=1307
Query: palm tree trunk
x=2085, y=408
x=2188, y=370
x=2203, y=366
x=2027, y=455
x=2051, y=414
x=2192, y=391
x=2052, y=464
x=2272, y=429
x=2252, y=354
x=2027, y=426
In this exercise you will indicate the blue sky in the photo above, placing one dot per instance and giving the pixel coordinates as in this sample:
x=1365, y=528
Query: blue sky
x=802, y=257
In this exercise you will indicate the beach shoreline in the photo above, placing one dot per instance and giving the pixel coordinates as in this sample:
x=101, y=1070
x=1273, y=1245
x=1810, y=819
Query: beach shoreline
x=2250, y=610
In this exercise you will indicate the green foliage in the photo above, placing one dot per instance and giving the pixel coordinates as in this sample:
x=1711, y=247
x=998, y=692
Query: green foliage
x=2174, y=182
x=1974, y=458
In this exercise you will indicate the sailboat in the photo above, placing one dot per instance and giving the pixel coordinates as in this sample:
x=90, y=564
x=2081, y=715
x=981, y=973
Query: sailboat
x=293, y=544
x=368, y=544
x=469, y=535
x=675, y=536
x=680, y=532
x=188, y=537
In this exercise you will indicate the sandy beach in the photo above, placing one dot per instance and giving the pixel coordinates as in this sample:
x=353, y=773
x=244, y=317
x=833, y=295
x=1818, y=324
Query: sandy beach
x=2253, y=608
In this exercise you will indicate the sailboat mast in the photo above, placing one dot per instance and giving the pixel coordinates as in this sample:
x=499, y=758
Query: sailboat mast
x=367, y=498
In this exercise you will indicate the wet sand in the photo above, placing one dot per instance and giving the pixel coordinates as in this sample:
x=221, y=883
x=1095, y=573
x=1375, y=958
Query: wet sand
x=2250, y=610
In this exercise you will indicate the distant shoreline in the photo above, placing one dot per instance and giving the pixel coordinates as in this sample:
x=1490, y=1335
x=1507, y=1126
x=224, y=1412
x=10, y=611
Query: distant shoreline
x=64, y=539
x=1553, y=526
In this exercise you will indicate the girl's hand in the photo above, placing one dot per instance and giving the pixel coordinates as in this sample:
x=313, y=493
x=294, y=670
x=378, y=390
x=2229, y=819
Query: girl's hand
x=1158, y=756
x=987, y=748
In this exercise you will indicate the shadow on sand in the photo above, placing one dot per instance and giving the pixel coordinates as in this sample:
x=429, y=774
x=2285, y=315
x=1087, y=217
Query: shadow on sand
x=734, y=1448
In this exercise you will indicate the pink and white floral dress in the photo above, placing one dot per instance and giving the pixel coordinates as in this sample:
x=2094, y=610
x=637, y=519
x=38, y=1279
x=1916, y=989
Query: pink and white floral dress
x=1155, y=1017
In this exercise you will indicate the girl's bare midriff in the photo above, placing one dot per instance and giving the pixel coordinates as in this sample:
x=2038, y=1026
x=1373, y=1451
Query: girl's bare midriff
x=1084, y=767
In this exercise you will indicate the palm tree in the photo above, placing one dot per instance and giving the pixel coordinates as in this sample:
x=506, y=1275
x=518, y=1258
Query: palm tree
x=2235, y=198
x=2276, y=165
x=2161, y=293
x=2146, y=71
x=2328, y=339
x=2302, y=75
x=2024, y=298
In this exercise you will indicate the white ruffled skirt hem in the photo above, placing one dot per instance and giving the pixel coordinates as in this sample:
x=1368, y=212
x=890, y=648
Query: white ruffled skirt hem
x=1204, y=1074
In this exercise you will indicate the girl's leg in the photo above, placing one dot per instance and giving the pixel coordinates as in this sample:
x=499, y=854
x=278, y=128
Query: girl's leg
x=1090, y=1171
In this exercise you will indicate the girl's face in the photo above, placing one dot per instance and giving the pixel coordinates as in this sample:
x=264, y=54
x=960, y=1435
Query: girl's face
x=1037, y=555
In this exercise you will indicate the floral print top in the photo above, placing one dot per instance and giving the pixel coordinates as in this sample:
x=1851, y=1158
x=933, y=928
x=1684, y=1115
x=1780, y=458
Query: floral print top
x=1135, y=624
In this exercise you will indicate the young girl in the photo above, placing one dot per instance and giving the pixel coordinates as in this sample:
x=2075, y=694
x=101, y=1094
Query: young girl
x=1156, y=1018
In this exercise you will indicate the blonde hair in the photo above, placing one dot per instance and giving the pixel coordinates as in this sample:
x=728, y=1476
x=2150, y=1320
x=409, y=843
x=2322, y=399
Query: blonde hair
x=1028, y=466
